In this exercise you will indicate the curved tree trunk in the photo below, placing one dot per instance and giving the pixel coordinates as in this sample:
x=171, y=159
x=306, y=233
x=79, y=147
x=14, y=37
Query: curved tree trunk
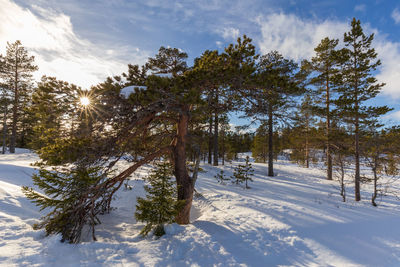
x=183, y=180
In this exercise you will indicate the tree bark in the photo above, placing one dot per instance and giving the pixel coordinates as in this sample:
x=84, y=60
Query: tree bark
x=184, y=182
x=15, y=108
x=307, y=150
x=216, y=126
x=357, y=152
x=329, y=169
x=270, y=143
x=4, y=129
x=223, y=147
x=210, y=140
x=374, y=195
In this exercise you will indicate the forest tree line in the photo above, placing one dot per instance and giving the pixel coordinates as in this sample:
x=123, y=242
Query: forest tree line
x=180, y=113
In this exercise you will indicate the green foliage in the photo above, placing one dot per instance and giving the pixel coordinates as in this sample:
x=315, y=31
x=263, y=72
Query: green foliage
x=17, y=75
x=359, y=64
x=51, y=110
x=160, y=205
x=67, y=192
x=243, y=173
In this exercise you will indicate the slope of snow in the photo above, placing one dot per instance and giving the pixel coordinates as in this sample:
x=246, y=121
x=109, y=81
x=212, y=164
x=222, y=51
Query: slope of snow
x=294, y=219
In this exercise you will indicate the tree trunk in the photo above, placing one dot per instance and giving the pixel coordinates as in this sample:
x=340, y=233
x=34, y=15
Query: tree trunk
x=4, y=129
x=307, y=146
x=223, y=147
x=216, y=126
x=374, y=195
x=15, y=110
x=184, y=182
x=357, y=153
x=210, y=139
x=342, y=173
x=270, y=143
x=329, y=169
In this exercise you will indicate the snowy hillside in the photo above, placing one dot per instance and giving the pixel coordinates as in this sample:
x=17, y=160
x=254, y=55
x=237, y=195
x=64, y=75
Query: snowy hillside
x=294, y=219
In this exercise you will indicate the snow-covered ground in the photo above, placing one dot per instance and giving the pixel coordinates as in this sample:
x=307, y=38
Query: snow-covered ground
x=294, y=219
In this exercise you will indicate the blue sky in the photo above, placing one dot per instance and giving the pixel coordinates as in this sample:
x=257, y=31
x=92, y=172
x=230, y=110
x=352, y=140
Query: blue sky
x=84, y=41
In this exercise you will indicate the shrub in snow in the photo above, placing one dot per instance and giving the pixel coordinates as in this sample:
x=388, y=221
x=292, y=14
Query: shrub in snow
x=221, y=177
x=243, y=173
x=160, y=205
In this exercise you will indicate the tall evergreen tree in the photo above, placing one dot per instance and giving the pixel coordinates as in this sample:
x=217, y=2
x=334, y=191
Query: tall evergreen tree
x=18, y=75
x=325, y=78
x=51, y=110
x=359, y=85
x=4, y=103
x=275, y=84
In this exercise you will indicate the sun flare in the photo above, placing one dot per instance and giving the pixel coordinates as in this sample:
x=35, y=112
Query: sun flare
x=85, y=101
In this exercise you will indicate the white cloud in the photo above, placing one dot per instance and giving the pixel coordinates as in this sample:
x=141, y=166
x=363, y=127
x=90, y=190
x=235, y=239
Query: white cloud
x=392, y=118
x=296, y=38
x=58, y=51
x=360, y=8
x=396, y=16
x=229, y=33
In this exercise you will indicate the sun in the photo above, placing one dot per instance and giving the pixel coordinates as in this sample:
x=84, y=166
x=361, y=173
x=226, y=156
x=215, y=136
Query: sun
x=85, y=101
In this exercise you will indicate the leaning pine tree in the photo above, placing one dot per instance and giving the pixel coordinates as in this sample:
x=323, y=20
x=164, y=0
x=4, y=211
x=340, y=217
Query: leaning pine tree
x=359, y=85
x=160, y=206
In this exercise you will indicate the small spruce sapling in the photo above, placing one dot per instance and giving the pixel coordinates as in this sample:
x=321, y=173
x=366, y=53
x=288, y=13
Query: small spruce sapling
x=160, y=205
x=221, y=177
x=243, y=173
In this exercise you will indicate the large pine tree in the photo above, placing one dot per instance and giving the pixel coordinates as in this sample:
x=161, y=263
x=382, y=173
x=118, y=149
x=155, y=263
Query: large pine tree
x=325, y=79
x=274, y=85
x=359, y=85
x=18, y=76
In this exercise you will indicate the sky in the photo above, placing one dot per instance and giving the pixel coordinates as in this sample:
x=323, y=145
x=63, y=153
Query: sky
x=84, y=41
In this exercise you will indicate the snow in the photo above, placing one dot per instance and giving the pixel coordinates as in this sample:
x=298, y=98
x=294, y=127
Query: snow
x=293, y=219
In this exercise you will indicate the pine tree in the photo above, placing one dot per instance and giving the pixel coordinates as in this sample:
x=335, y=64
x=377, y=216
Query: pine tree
x=66, y=194
x=359, y=85
x=221, y=177
x=52, y=111
x=325, y=78
x=274, y=86
x=5, y=101
x=18, y=75
x=160, y=206
x=243, y=173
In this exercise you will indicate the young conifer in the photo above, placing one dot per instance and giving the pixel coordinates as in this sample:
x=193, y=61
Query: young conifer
x=243, y=173
x=221, y=177
x=160, y=205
